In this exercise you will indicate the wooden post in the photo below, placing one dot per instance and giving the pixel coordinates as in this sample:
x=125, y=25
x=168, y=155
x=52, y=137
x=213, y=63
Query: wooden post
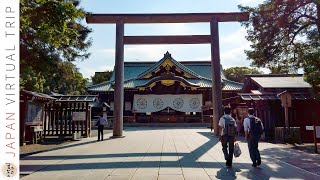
x=89, y=116
x=55, y=120
x=68, y=112
x=202, y=115
x=134, y=116
x=86, y=123
x=74, y=107
x=119, y=79
x=286, y=102
x=314, y=133
x=51, y=119
x=23, y=116
x=286, y=127
x=44, y=122
x=216, y=76
x=315, y=138
x=62, y=120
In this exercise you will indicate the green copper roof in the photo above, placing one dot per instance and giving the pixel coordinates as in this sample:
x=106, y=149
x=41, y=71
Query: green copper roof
x=133, y=69
x=176, y=63
x=231, y=85
x=134, y=83
x=200, y=70
x=194, y=68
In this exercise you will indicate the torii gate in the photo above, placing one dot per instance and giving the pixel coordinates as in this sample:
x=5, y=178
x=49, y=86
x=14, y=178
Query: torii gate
x=121, y=40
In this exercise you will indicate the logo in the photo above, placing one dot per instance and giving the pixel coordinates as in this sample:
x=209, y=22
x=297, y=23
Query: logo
x=9, y=170
x=194, y=103
x=178, y=103
x=142, y=103
x=158, y=103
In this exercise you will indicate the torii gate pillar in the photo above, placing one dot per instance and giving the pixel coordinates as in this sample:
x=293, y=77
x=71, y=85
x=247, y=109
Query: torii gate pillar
x=216, y=75
x=119, y=80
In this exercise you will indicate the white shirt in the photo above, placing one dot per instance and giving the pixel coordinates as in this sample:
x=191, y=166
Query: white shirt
x=222, y=122
x=246, y=123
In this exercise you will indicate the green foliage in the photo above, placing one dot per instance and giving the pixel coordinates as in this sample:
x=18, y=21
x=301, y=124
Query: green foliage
x=279, y=70
x=285, y=36
x=101, y=77
x=68, y=81
x=31, y=80
x=51, y=38
x=237, y=73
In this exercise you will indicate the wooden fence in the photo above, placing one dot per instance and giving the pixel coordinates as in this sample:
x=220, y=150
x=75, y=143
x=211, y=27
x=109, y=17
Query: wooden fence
x=58, y=119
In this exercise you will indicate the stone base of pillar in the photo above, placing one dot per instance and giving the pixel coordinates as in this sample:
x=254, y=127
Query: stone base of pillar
x=113, y=137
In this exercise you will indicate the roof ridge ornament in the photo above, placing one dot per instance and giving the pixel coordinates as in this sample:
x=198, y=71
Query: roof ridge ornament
x=167, y=55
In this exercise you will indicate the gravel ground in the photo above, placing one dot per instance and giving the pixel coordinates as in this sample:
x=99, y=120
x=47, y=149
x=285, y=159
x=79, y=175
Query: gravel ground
x=52, y=143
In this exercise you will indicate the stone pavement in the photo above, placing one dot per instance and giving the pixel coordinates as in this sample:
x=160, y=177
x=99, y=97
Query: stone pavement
x=165, y=154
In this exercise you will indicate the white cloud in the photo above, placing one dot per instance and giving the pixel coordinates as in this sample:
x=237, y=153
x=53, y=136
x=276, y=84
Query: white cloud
x=144, y=52
x=176, y=29
x=100, y=60
x=167, y=29
x=265, y=70
x=232, y=48
x=234, y=57
x=235, y=39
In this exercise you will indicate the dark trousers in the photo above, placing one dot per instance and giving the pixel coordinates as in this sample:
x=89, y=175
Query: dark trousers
x=227, y=141
x=100, y=131
x=253, y=148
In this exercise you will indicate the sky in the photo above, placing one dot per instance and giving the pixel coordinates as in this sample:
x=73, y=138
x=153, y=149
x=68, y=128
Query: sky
x=231, y=34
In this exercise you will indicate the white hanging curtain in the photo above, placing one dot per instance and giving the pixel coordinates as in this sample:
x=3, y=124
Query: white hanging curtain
x=154, y=103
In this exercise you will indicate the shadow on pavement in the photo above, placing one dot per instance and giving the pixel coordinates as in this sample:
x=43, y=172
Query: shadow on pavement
x=266, y=171
x=50, y=142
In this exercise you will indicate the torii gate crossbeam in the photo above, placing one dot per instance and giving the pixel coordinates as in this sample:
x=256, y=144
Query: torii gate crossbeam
x=121, y=40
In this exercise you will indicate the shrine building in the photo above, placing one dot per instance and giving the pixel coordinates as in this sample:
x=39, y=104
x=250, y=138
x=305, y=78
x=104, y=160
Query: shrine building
x=167, y=91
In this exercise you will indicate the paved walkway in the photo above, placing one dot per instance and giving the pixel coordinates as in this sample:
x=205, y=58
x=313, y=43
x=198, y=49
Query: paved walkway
x=164, y=154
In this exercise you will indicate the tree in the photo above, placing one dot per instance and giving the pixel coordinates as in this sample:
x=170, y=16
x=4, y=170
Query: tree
x=237, y=73
x=101, y=77
x=286, y=34
x=66, y=80
x=51, y=38
x=279, y=70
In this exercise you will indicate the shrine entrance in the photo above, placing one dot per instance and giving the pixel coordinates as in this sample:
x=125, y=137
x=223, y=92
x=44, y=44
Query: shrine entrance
x=121, y=40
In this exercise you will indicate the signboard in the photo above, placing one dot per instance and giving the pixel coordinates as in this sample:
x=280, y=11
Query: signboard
x=309, y=128
x=286, y=100
x=318, y=131
x=78, y=116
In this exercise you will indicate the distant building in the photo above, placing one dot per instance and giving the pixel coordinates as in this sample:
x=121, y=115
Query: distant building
x=263, y=93
x=167, y=91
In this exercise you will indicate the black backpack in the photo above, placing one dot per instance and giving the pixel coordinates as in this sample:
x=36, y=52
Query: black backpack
x=230, y=128
x=255, y=126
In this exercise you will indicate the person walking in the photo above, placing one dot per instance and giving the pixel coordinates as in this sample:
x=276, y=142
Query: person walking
x=253, y=129
x=100, y=123
x=227, y=135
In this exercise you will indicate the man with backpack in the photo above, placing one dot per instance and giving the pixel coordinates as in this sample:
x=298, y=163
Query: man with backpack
x=227, y=134
x=253, y=129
